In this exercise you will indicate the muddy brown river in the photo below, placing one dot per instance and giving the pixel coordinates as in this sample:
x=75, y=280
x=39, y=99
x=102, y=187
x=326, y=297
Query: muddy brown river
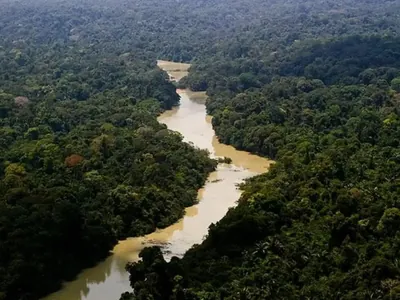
x=108, y=279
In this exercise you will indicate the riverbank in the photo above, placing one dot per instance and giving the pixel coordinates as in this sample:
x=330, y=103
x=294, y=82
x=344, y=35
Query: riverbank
x=109, y=279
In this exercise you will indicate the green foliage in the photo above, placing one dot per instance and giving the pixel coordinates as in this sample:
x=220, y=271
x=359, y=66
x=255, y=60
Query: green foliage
x=395, y=84
x=83, y=160
x=311, y=90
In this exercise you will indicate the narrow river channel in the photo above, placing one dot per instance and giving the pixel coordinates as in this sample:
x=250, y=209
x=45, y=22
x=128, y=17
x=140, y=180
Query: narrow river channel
x=108, y=280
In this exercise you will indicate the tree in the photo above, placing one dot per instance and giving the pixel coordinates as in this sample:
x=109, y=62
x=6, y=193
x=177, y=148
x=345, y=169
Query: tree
x=395, y=84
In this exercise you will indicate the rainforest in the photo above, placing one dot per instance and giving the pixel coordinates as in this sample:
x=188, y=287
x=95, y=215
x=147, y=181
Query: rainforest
x=313, y=85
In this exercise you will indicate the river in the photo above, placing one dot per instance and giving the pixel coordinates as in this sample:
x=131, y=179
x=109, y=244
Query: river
x=108, y=279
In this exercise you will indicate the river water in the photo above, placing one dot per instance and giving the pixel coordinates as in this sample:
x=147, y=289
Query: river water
x=108, y=279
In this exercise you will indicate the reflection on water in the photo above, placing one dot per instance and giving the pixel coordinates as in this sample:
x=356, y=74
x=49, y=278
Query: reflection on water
x=108, y=280
x=90, y=284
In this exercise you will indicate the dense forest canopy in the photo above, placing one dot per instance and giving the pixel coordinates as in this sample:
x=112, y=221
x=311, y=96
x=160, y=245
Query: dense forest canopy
x=316, y=86
x=313, y=84
x=83, y=160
